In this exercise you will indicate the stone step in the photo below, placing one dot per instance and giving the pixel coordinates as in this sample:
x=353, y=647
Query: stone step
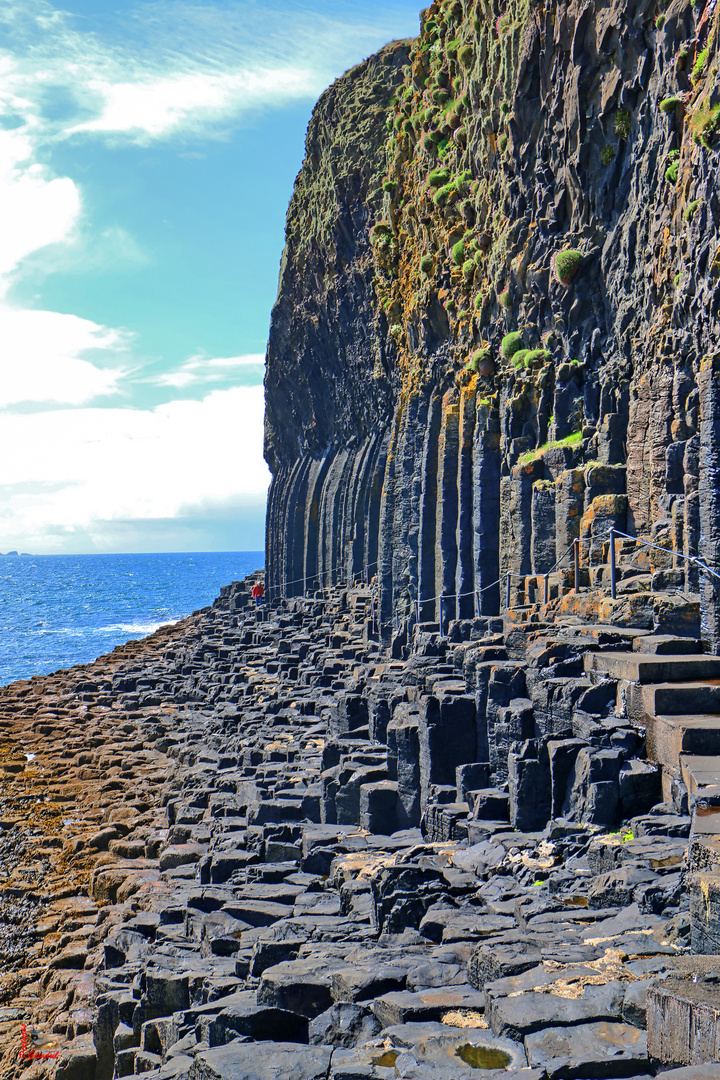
x=683, y=1019
x=651, y=668
x=700, y=770
x=670, y=736
x=600, y=635
x=666, y=645
x=699, y=698
x=704, y=846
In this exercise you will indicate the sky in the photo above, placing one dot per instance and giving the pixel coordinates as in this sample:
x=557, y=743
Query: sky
x=147, y=156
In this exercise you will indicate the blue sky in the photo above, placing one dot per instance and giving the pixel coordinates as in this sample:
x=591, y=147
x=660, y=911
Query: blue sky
x=147, y=156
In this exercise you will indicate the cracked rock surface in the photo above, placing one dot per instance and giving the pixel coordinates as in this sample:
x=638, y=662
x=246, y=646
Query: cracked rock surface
x=204, y=875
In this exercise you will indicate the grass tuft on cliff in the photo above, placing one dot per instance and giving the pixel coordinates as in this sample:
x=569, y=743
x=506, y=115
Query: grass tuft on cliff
x=565, y=265
x=622, y=124
x=704, y=123
x=427, y=264
x=511, y=344
x=570, y=440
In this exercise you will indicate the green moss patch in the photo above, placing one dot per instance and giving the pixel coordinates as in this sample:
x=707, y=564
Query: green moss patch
x=565, y=265
x=570, y=440
x=458, y=253
x=511, y=344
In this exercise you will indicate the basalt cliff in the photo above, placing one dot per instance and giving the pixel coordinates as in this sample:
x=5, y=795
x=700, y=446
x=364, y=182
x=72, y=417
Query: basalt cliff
x=497, y=321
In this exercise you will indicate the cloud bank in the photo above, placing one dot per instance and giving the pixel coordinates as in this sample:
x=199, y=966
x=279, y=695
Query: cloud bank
x=80, y=470
x=69, y=472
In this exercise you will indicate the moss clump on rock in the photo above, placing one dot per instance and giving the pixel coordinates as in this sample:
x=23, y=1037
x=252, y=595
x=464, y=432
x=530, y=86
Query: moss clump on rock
x=438, y=177
x=511, y=344
x=607, y=154
x=699, y=66
x=671, y=173
x=505, y=299
x=536, y=356
x=669, y=104
x=502, y=143
x=691, y=208
x=480, y=362
x=466, y=55
x=622, y=124
x=468, y=268
x=565, y=265
x=427, y=264
x=704, y=123
x=479, y=301
x=458, y=253
x=381, y=232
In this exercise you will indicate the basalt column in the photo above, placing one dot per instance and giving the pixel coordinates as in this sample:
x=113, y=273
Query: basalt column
x=709, y=383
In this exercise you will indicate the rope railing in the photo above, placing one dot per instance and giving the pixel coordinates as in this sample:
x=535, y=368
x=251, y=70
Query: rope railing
x=416, y=605
x=318, y=574
x=657, y=547
x=574, y=547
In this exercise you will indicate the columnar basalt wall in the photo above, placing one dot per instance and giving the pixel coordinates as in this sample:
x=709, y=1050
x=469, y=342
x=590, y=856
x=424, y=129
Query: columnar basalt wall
x=497, y=319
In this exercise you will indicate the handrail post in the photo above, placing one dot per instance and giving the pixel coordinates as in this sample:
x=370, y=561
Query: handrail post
x=507, y=595
x=547, y=588
x=441, y=615
x=576, y=555
x=477, y=604
x=372, y=600
x=613, y=568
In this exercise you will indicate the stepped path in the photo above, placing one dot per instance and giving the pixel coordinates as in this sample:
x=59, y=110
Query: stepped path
x=259, y=846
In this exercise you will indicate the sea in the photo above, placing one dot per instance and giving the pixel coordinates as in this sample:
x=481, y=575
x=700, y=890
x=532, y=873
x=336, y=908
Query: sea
x=61, y=610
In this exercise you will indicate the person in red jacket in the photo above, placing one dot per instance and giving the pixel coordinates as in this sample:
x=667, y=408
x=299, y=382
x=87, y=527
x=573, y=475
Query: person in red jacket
x=258, y=592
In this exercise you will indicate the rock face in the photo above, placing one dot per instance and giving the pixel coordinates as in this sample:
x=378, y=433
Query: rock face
x=498, y=312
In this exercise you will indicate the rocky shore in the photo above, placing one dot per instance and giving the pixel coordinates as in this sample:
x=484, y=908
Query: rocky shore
x=259, y=846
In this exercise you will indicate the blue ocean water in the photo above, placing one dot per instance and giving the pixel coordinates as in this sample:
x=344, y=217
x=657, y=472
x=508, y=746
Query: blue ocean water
x=60, y=610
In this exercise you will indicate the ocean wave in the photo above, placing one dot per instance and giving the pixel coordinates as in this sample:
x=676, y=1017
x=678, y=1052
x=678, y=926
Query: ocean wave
x=135, y=628
x=115, y=628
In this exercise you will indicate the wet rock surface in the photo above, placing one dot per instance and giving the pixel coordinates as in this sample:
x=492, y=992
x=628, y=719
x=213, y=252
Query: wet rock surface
x=191, y=886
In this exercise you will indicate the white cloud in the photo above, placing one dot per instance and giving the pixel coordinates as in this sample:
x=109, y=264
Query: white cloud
x=165, y=69
x=66, y=472
x=158, y=108
x=171, y=67
x=36, y=209
x=200, y=369
x=42, y=358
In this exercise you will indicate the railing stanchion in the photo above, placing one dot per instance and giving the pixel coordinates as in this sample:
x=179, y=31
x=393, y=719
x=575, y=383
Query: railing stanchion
x=477, y=604
x=547, y=588
x=576, y=554
x=373, y=614
x=441, y=615
x=507, y=594
x=417, y=604
x=613, y=568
